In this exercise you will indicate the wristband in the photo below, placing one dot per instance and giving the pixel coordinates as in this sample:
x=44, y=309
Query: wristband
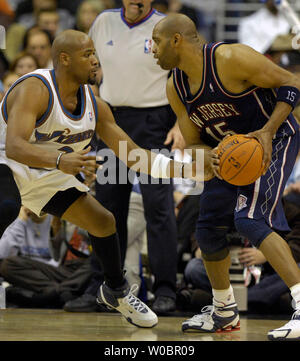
x=58, y=159
x=289, y=95
x=159, y=166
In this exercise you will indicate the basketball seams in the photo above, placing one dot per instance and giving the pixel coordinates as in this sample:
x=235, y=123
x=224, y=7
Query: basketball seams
x=257, y=146
x=245, y=142
x=250, y=156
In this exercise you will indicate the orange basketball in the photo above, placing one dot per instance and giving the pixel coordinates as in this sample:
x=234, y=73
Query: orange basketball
x=240, y=159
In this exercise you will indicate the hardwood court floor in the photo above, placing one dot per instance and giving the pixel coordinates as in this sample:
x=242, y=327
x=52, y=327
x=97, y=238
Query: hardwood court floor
x=57, y=325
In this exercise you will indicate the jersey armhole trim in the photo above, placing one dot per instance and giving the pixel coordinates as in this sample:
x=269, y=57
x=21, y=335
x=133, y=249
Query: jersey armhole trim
x=94, y=103
x=45, y=116
x=177, y=87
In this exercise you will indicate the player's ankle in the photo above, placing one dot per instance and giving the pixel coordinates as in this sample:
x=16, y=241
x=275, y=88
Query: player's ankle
x=223, y=297
x=295, y=292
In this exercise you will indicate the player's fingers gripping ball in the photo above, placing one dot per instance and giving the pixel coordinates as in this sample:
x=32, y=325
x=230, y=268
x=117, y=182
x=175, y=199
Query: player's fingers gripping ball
x=241, y=160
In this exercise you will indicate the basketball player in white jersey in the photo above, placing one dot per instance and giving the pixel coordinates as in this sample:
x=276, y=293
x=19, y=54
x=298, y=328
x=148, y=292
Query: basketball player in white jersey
x=134, y=87
x=47, y=118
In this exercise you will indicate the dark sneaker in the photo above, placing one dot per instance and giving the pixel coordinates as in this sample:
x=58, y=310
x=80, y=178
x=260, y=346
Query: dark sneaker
x=215, y=318
x=163, y=305
x=84, y=303
x=131, y=307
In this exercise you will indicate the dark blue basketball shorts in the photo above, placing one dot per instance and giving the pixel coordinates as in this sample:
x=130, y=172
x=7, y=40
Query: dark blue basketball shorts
x=255, y=209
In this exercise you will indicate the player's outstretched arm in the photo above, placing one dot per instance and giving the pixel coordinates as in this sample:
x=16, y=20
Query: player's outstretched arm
x=122, y=145
x=26, y=103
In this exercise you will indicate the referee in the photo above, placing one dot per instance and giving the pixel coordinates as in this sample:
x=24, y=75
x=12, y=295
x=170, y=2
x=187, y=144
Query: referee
x=135, y=88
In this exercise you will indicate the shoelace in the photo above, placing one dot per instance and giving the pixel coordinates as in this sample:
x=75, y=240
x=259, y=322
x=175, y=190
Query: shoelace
x=295, y=321
x=296, y=314
x=133, y=301
x=205, y=315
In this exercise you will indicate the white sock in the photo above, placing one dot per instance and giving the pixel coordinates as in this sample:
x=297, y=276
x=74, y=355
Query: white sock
x=295, y=292
x=224, y=296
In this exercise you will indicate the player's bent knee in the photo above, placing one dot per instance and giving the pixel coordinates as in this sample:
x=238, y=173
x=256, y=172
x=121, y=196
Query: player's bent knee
x=216, y=256
x=211, y=240
x=105, y=225
x=255, y=230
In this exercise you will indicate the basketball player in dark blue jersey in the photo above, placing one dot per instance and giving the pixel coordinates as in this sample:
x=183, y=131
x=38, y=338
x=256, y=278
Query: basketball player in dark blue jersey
x=219, y=89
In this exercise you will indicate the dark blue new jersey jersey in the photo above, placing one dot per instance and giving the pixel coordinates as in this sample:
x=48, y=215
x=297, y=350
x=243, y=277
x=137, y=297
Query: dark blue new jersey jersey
x=217, y=112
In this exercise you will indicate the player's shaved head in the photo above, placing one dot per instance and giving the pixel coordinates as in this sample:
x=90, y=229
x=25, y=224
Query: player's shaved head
x=177, y=24
x=68, y=42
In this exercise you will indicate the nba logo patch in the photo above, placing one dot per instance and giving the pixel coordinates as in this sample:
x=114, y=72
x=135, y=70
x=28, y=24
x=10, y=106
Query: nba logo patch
x=91, y=116
x=241, y=203
x=148, y=46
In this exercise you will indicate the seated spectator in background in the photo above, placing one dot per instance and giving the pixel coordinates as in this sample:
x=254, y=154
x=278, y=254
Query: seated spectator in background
x=87, y=12
x=24, y=63
x=260, y=29
x=8, y=80
x=28, y=16
x=38, y=43
x=48, y=19
x=28, y=236
x=31, y=263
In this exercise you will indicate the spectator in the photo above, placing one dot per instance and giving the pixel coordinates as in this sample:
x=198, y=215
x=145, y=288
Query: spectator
x=38, y=43
x=28, y=10
x=87, y=12
x=6, y=13
x=48, y=19
x=176, y=6
x=261, y=28
x=161, y=6
x=8, y=80
x=24, y=63
x=27, y=14
x=27, y=254
x=138, y=101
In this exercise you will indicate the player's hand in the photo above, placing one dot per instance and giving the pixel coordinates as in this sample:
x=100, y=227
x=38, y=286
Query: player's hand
x=215, y=162
x=76, y=162
x=203, y=172
x=176, y=137
x=265, y=139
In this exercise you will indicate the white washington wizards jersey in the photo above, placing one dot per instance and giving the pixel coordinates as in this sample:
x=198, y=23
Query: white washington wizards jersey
x=57, y=129
x=131, y=76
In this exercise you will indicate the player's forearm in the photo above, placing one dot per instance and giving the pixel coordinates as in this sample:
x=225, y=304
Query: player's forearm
x=157, y=165
x=32, y=155
x=279, y=115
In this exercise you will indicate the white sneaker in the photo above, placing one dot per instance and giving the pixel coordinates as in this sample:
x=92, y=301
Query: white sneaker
x=131, y=307
x=290, y=331
x=214, y=318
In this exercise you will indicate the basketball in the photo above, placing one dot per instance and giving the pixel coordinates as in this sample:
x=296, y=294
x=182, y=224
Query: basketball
x=240, y=160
